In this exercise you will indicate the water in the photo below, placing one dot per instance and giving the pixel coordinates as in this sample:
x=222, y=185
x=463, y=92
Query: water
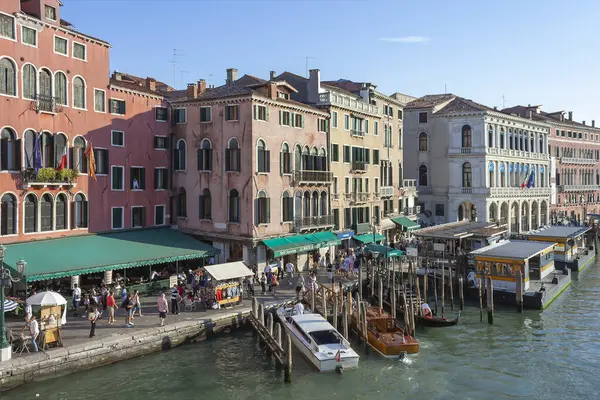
x=536, y=355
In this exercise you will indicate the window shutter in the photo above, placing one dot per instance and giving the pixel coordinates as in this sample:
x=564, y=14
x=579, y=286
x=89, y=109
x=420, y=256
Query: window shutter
x=200, y=159
x=255, y=108
x=280, y=117
x=4, y=154
x=261, y=161
x=165, y=179
x=227, y=159
x=209, y=159
x=268, y=210
x=256, y=210
x=302, y=121
x=18, y=144
x=267, y=160
x=281, y=163
x=266, y=113
x=292, y=119
x=238, y=158
x=155, y=142
x=155, y=178
x=175, y=159
x=122, y=107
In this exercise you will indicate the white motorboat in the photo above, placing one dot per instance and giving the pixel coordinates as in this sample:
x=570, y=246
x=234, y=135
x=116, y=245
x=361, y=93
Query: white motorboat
x=318, y=340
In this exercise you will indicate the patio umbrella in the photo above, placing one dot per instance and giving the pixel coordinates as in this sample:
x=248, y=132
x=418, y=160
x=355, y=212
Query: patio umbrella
x=48, y=299
x=10, y=305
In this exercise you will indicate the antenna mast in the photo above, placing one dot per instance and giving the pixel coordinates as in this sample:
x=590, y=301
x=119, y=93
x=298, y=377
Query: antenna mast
x=174, y=61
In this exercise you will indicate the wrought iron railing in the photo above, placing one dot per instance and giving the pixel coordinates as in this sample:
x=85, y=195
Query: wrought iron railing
x=359, y=166
x=313, y=176
x=313, y=222
x=46, y=104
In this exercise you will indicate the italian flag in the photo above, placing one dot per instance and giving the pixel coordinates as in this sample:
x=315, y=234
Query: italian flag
x=63, y=160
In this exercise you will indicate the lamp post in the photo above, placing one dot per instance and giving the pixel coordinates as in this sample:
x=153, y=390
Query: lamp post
x=6, y=280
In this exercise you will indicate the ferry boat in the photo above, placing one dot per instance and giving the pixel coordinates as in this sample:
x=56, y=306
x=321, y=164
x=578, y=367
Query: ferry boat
x=318, y=340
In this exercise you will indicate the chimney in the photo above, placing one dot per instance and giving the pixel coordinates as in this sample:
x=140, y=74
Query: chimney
x=201, y=86
x=314, y=85
x=118, y=76
x=583, y=122
x=570, y=115
x=593, y=123
x=151, y=84
x=272, y=90
x=192, y=91
x=272, y=75
x=530, y=114
x=231, y=75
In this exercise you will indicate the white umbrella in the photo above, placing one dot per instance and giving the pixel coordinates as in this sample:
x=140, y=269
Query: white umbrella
x=44, y=299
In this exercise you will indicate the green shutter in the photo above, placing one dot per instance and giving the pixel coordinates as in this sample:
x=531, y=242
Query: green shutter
x=268, y=210
x=255, y=112
x=267, y=160
x=281, y=162
x=266, y=113
x=280, y=117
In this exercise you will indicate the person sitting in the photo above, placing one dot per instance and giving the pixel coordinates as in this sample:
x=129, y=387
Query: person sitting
x=426, y=310
x=299, y=309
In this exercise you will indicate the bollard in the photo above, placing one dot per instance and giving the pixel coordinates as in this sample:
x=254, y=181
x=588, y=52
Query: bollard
x=380, y=293
x=270, y=324
x=335, y=312
x=324, y=301
x=519, y=291
x=255, y=307
x=490, y=301
x=461, y=292
x=288, y=365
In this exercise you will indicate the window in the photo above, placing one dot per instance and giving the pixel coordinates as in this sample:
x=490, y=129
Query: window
x=138, y=216
x=60, y=88
x=232, y=112
x=366, y=125
x=99, y=100
x=286, y=160
x=117, y=138
x=375, y=157
x=117, y=177
x=161, y=114
x=182, y=203
x=400, y=114
x=160, y=178
x=233, y=156
x=46, y=213
x=47, y=143
x=346, y=154
x=10, y=151
x=423, y=175
x=334, y=119
x=233, y=211
x=375, y=128
x=205, y=205
x=118, y=107
x=159, y=215
x=466, y=136
x=29, y=82
x=8, y=77
x=422, y=117
x=335, y=153
x=467, y=175
x=79, y=51
x=30, y=213
x=284, y=118
x=8, y=214
x=80, y=212
x=205, y=156
x=50, y=12
x=346, y=122
x=385, y=109
x=60, y=45
x=282, y=95
x=60, y=219
x=101, y=158
x=28, y=36
x=260, y=113
x=7, y=26
x=390, y=111
x=422, y=141
x=287, y=206
x=439, y=210
x=205, y=114
x=179, y=116
x=262, y=210
x=78, y=159
x=137, y=178
x=30, y=137
x=263, y=157
x=179, y=155
x=117, y=218
x=323, y=125
x=79, y=93
x=161, y=142
x=298, y=120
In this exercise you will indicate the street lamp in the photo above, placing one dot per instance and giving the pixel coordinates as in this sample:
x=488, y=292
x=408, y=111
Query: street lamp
x=6, y=280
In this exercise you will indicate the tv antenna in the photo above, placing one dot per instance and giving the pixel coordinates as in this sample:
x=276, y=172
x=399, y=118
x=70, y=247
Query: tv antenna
x=176, y=53
x=182, y=74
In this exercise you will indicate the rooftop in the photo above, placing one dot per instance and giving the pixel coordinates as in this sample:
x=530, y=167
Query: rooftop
x=460, y=105
x=558, y=231
x=431, y=100
x=460, y=230
x=514, y=249
x=538, y=115
x=312, y=323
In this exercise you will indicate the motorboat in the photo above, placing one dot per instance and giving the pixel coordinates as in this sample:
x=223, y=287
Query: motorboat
x=318, y=340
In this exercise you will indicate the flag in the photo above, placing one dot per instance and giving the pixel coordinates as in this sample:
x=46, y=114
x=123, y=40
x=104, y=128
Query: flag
x=63, y=160
x=37, y=153
x=531, y=181
x=526, y=180
x=89, y=153
x=338, y=356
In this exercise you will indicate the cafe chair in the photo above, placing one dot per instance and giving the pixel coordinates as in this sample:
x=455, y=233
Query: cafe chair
x=24, y=345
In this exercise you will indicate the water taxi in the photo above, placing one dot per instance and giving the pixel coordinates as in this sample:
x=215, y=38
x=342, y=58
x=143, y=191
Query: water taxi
x=385, y=336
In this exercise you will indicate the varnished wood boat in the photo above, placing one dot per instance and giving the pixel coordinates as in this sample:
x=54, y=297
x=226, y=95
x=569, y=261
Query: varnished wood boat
x=437, y=322
x=385, y=336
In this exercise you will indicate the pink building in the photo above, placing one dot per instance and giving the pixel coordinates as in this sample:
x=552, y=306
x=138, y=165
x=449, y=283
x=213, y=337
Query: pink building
x=249, y=164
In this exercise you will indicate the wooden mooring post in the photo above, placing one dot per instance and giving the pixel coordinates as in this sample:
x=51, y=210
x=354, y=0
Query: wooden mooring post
x=335, y=312
x=519, y=291
x=480, y=286
x=288, y=362
x=380, y=293
x=461, y=292
x=443, y=286
x=393, y=299
x=324, y=302
x=435, y=291
x=360, y=279
x=450, y=286
x=313, y=300
x=490, y=300
x=345, y=320
x=372, y=291
x=425, y=282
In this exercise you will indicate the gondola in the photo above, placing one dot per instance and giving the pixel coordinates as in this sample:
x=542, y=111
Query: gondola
x=437, y=322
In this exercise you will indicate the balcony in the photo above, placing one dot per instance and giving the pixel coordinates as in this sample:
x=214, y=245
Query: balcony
x=387, y=191
x=469, y=190
x=577, y=188
x=46, y=104
x=411, y=211
x=517, y=192
x=329, y=98
x=306, y=223
x=452, y=151
x=46, y=177
x=313, y=177
x=517, y=153
x=580, y=161
x=359, y=166
x=424, y=189
x=376, y=195
x=356, y=133
x=357, y=197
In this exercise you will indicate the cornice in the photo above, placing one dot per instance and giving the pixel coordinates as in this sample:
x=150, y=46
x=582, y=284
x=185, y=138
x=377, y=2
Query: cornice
x=127, y=90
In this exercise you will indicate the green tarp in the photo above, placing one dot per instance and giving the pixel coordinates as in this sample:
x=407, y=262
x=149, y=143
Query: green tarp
x=406, y=223
x=368, y=238
x=383, y=250
x=327, y=239
x=86, y=254
x=301, y=243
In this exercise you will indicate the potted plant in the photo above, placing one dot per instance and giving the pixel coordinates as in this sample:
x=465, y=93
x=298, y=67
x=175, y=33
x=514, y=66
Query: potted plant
x=46, y=175
x=65, y=175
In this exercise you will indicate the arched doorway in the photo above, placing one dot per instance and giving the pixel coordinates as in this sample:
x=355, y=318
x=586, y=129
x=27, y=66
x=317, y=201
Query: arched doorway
x=534, y=215
x=468, y=211
x=524, y=216
x=514, y=217
x=544, y=213
x=493, y=213
x=504, y=213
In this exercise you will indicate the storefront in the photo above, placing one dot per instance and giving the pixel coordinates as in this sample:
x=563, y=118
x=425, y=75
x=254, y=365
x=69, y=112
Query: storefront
x=298, y=248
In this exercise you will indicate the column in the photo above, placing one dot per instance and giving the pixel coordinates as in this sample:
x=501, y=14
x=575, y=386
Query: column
x=497, y=172
x=509, y=217
x=529, y=215
x=246, y=254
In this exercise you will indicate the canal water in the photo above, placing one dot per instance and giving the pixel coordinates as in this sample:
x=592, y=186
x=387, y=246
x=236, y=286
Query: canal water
x=552, y=354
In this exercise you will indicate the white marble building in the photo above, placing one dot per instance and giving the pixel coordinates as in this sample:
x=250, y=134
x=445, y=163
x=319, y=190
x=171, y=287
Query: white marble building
x=470, y=161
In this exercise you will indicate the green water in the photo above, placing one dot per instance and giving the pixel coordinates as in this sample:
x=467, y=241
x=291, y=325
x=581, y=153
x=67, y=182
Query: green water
x=536, y=355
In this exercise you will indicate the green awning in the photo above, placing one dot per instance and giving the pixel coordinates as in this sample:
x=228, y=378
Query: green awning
x=368, y=238
x=86, y=254
x=406, y=223
x=301, y=243
x=327, y=239
x=383, y=250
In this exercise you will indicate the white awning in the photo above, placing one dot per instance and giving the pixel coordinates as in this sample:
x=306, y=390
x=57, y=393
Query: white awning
x=232, y=270
x=386, y=224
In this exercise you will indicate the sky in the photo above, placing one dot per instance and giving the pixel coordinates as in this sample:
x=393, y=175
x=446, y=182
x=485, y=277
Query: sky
x=499, y=53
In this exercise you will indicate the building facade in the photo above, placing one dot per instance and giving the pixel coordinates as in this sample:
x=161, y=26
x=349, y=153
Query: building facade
x=470, y=162
x=249, y=164
x=575, y=156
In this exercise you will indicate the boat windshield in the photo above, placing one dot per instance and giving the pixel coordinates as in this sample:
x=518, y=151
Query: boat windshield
x=325, y=337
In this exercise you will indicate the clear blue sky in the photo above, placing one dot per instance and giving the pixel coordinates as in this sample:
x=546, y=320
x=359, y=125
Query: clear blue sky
x=543, y=52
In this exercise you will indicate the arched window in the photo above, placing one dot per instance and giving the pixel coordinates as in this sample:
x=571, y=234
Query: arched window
x=182, y=203
x=60, y=148
x=46, y=213
x=60, y=88
x=323, y=207
x=179, y=156
x=306, y=205
x=490, y=136
x=287, y=206
x=502, y=138
x=297, y=158
x=45, y=90
x=61, y=212
x=233, y=156
x=29, y=137
x=8, y=77
x=8, y=213
x=422, y=141
x=511, y=140
x=306, y=165
x=30, y=213
x=47, y=150
x=29, y=82
x=9, y=151
x=205, y=205
x=79, y=160
x=205, y=155
x=80, y=212
x=423, y=175
x=263, y=157
x=322, y=160
x=234, y=206
x=466, y=136
x=315, y=204
x=285, y=160
x=78, y=92
x=467, y=175
x=262, y=208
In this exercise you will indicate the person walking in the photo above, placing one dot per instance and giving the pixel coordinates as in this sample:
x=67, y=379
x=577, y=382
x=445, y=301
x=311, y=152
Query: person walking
x=34, y=331
x=263, y=283
x=274, y=283
x=174, y=300
x=299, y=286
x=111, y=304
x=128, y=305
x=76, y=298
x=93, y=317
x=289, y=267
x=137, y=305
x=163, y=308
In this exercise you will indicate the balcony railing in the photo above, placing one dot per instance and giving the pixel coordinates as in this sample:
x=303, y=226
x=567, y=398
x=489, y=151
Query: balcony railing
x=408, y=183
x=518, y=192
x=408, y=211
x=574, y=160
x=517, y=153
x=346, y=101
x=424, y=189
x=357, y=197
x=318, y=177
x=48, y=177
x=359, y=166
x=466, y=150
x=469, y=190
x=387, y=191
x=320, y=221
x=576, y=188
x=376, y=195
x=354, y=132
x=46, y=104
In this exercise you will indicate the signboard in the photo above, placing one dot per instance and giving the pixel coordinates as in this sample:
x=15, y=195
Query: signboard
x=172, y=280
x=438, y=246
x=412, y=252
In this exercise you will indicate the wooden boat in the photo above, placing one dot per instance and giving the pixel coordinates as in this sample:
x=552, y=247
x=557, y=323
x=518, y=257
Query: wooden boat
x=318, y=340
x=385, y=336
x=437, y=322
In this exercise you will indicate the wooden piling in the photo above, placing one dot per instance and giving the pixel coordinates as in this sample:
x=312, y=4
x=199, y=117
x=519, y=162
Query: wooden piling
x=270, y=323
x=255, y=307
x=324, y=302
x=360, y=279
x=261, y=314
x=288, y=364
x=278, y=334
x=372, y=291
x=490, y=300
x=357, y=313
x=425, y=282
x=450, y=286
x=406, y=309
x=435, y=291
x=345, y=321
x=393, y=300
x=419, y=310
x=519, y=291
x=313, y=300
x=335, y=312
x=380, y=293
x=480, y=285
x=461, y=292
x=364, y=323
x=443, y=286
